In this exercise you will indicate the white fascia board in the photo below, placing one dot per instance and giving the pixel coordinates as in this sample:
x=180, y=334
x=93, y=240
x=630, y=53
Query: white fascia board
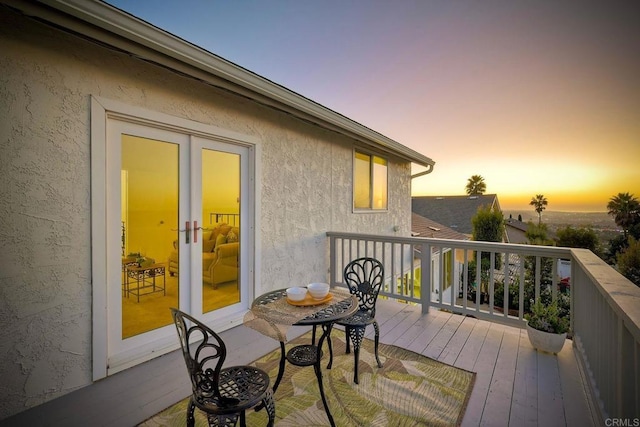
x=111, y=19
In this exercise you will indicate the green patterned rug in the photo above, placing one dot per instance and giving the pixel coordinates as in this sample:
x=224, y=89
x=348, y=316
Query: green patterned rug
x=409, y=390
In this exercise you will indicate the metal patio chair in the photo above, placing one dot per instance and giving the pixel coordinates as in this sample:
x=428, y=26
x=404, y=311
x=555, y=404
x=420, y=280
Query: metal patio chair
x=364, y=277
x=224, y=394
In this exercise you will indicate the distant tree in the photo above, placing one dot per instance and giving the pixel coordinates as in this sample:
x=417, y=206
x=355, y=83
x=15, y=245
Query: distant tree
x=538, y=234
x=583, y=237
x=476, y=185
x=488, y=225
x=616, y=246
x=625, y=210
x=629, y=261
x=539, y=203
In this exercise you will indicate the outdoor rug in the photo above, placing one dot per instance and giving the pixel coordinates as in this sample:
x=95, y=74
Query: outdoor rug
x=409, y=390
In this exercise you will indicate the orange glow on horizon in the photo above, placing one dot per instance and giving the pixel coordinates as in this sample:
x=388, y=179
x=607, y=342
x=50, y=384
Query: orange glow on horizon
x=572, y=188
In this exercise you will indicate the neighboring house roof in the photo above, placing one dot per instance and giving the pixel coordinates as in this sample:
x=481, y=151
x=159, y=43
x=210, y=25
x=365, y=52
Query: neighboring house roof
x=114, y=27
x=454, y=212
x=425, y=227
x=515, y=231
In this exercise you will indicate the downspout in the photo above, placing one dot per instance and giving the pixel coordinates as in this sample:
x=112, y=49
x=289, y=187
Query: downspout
x=428, y=171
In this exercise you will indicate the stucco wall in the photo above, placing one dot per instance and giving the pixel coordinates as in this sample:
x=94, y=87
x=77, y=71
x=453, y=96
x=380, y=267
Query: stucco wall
x=46, y=80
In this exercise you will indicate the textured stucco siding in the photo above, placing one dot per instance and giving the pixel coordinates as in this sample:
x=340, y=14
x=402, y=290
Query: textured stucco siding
x=46, y=80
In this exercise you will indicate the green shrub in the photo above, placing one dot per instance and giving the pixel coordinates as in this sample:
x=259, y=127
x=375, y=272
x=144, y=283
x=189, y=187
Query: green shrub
x=547, y=318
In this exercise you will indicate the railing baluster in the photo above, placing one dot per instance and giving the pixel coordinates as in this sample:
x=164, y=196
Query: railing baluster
x=452, y=281
x=465, y=279
x=554, y=280
x=537, y=278
x=492, y=266
x=521, y=289
x=506, y=281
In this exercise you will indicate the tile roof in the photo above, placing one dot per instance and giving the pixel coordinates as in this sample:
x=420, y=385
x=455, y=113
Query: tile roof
x=425, y=227
x=516, y=231
x=522, y=226
x=454, y=212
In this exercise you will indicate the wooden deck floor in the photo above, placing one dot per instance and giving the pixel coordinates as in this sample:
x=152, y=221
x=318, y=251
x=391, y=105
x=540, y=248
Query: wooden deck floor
x=515, y=385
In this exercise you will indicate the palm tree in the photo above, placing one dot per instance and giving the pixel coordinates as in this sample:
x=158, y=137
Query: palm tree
x=476, y=185
x=539, y=203
x=626, y=211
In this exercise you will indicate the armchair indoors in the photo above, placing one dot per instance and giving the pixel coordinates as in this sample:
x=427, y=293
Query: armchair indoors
x=220, y=247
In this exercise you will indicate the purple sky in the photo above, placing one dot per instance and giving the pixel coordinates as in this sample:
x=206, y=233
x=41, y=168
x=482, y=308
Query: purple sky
x=536, y=96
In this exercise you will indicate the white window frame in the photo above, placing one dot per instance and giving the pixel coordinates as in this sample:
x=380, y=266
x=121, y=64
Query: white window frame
x=101, y=111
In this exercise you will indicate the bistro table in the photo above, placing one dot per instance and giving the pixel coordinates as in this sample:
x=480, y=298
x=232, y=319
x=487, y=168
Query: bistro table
x=272, y=316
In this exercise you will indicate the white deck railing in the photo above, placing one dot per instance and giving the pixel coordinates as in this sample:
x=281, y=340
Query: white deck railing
x=604, y=306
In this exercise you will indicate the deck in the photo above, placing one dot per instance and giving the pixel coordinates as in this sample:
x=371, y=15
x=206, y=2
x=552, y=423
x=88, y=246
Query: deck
x=515, y=385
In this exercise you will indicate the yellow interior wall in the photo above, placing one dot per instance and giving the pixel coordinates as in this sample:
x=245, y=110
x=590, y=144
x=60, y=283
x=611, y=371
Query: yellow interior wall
x=151, y=173
x=152, y=196
x=220, y=183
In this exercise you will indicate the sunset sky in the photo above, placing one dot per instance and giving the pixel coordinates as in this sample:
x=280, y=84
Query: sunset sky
x=538, y=97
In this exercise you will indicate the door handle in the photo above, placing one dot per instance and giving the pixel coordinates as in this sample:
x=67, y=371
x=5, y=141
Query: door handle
x=187, y=230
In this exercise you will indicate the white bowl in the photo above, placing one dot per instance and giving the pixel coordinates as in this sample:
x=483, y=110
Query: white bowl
x=318, y=290
x=296, y=293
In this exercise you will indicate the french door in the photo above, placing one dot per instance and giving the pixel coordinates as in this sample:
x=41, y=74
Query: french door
x=176, y=237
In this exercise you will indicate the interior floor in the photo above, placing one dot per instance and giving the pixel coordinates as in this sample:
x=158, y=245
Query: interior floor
x=152, y=311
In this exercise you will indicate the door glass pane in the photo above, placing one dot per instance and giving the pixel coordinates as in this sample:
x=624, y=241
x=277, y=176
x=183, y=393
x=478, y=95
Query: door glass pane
x=149, y=212
x=221, y=229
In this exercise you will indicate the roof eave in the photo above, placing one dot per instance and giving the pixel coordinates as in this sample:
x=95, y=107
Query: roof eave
x=112, y=20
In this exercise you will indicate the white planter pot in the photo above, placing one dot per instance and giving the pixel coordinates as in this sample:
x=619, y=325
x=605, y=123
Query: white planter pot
x=546, y=341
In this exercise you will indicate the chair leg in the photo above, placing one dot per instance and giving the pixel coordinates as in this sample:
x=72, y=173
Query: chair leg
x=316, y=367
x=347, y=333
x=191, y=420
x=357, y=333
x=330, y=344
x=270, y=406
x=281, y=366
x=377, y=340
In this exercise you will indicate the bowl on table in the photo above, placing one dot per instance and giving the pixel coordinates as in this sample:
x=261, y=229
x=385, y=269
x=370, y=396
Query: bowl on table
x=318, y=290
x=296, y=293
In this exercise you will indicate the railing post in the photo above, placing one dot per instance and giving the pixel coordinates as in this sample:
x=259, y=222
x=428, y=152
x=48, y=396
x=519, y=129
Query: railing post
x=425, y=278
x=332, y=260
x=572, y=293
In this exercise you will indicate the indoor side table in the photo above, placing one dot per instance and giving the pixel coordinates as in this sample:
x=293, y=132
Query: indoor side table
x=145, y=280
x=272, y=316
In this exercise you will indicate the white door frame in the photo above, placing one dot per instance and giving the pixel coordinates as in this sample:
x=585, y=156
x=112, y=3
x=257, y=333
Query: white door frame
x=108, y=356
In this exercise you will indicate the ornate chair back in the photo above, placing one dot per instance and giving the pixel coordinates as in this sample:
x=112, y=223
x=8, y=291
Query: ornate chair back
x=364, y=277
x=223, y=393
x=204, y=360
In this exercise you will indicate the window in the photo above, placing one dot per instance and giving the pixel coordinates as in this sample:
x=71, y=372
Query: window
x=369, y=182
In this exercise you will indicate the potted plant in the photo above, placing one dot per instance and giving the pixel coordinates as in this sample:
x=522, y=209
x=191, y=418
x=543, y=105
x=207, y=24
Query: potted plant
x=140, y=260
x=547, y=330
